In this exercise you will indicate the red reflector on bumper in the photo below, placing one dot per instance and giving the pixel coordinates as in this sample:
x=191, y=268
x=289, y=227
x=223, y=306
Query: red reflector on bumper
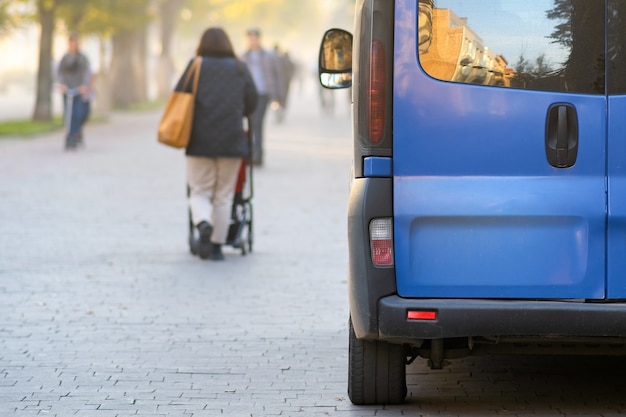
x=421, y=315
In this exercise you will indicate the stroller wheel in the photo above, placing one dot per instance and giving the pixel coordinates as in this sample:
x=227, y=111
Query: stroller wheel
x=243, y=229
x=248, y=241
x=250, y=233
x=243, y=239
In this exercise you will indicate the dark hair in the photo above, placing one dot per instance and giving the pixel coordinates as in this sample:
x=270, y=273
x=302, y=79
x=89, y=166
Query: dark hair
x=215, y=43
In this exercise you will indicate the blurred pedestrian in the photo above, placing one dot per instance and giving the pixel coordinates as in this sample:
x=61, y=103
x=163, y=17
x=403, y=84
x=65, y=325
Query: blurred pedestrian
x=218, y=143
x=287, y=72
x=75, y=78
x=267, y=74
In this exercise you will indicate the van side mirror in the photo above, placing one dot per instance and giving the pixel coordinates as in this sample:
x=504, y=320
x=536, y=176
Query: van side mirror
x=335, y=59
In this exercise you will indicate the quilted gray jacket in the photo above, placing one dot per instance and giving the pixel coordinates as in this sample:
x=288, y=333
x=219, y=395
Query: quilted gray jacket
x=226, y=94
x=74, y=70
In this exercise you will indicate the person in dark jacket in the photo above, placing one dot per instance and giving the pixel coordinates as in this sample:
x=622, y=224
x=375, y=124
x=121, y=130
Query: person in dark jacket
x=267, y=74
x=226, y=94
x=75, y=79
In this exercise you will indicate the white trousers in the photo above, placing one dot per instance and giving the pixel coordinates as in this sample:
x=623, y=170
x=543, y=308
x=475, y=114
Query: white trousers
x=212, y=188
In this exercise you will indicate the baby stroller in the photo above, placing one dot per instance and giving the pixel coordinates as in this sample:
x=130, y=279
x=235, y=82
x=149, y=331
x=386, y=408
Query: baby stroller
x=240, y=230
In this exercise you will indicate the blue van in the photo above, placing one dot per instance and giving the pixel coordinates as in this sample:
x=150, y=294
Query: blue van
x=487, y=210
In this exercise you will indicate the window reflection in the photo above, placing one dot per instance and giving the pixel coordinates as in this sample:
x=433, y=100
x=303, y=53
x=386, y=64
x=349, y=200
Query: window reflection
x=549, y=45
x=337, y=51
x=331, y=80
x=457, y=53
x=617, y=47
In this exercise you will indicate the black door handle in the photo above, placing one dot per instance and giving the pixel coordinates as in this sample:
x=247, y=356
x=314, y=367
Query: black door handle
x=562, y=135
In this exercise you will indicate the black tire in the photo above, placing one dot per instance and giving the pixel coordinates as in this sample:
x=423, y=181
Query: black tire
x=244, y=229
x=376, y=372
x=242, y=239
x=250, y=239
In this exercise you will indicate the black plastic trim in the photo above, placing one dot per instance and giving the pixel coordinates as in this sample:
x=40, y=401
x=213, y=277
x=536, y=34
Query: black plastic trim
x=374, y=20
x=464, y=318
x=370, y=198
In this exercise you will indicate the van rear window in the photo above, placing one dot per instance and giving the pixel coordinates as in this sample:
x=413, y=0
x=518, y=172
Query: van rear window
x=546, y=45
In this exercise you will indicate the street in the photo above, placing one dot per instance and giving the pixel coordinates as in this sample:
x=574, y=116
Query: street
x=104, y=312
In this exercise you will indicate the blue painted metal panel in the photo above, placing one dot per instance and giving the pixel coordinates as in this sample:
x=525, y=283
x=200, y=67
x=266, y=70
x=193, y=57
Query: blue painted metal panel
x=377, y=166
x=479, y=212
x=499, y=237
x=616, y=239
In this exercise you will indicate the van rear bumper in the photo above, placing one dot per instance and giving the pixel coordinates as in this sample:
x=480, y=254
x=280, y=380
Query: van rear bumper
x=464, y=318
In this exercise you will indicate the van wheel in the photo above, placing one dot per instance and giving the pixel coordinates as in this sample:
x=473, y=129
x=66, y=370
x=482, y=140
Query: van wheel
x=377, y=372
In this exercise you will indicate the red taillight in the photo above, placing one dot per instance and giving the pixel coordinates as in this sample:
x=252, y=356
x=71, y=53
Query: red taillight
x=382, y=252
x=381, y=242
x=421, y=315
x=377, y=92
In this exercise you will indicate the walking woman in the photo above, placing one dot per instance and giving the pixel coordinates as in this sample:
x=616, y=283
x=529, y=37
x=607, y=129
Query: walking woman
x=218, y=143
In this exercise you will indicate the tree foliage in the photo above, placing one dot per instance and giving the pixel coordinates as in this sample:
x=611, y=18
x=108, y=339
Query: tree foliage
x=280, y=21
x=124, y=22
x=582, y=31
x=562, y=11
x=123, y=26
x=8, y=20
x=105, y=17
x=527, y=72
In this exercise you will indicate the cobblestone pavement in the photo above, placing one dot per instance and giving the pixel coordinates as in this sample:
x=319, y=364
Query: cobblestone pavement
x=103, y=311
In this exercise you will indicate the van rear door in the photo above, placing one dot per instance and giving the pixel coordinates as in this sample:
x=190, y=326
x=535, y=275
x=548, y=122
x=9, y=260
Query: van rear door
x=616, y=149
x=500, y=133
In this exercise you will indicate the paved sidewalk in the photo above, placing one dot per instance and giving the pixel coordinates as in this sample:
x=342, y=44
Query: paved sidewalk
x=103, y=311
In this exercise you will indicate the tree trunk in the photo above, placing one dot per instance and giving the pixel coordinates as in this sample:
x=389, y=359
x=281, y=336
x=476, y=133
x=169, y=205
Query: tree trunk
x=128, y=69
x=165, y=70
x=122, y=73
x=43, y=103
x=140, y=65
x=102, y=105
